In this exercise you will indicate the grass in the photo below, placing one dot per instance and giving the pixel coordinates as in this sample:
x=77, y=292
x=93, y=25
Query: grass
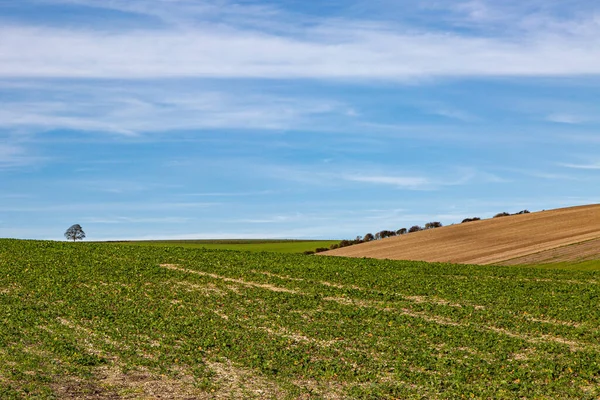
x=279, y=246
x=589, y=265
x=98, y=320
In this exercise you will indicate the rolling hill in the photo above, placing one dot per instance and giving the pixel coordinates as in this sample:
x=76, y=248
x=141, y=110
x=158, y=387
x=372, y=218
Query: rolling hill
x=565, y=234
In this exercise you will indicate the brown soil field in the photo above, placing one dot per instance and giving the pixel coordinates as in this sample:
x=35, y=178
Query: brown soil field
x=564, y=234
x=584, y=251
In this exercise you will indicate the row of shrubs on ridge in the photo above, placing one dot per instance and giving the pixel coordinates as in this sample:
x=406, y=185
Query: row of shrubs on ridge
x=402, y=231
x=378, y=236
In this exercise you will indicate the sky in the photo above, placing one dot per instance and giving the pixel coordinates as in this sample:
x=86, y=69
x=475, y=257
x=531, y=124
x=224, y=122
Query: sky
x=191, y=119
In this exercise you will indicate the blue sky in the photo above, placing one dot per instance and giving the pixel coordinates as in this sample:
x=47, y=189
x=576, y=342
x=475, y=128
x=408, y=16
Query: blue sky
x=292, y=119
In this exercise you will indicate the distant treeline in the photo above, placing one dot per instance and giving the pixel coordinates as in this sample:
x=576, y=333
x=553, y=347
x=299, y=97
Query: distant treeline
x=402, y=231
x=505, y=214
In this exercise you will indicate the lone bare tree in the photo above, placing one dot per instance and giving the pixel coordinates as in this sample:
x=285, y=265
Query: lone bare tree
x=75, y=232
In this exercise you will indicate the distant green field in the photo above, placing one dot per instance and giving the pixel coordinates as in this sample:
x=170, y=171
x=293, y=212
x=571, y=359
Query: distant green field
x=108, y=321
x=593, y=265
x=278, y=246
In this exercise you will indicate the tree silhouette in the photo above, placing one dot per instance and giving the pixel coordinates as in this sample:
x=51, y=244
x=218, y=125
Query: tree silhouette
x=75, y=232
x=415, y=228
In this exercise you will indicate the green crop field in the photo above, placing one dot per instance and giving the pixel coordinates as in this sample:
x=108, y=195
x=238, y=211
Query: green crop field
x=279, y=246
x=589, y=265
x=107, y=321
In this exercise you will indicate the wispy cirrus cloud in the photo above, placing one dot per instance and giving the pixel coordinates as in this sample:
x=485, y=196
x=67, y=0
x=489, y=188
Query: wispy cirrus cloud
x=279, y=219
x=230, y=194
x=217, y=45
x=133, y=220
x=546, y=175
x=526, y=15
x=184, y=13
x=407, y=182
x=454, y=114
x=85, y=207
x=374, y=54
x=519, y=16
x=131, y=109
x=10, y=154
x=565, y=118
x=116, y=187
x=588, y=166
x=462, y=176
x=354, y=176
x=14, y=155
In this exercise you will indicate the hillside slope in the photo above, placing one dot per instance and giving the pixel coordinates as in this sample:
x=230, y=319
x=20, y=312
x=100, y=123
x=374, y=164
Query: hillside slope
x=577, y=252
x=490, y=241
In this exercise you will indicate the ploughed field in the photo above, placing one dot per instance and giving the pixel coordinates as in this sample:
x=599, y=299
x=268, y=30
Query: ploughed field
x=515, y=239
x=577, y=252
x=107, y=321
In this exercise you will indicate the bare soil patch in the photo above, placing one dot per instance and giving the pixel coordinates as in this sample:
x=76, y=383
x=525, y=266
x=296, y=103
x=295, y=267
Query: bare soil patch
x=584, y=251
x=239, y=383
x=142, y=384
x=110, y=382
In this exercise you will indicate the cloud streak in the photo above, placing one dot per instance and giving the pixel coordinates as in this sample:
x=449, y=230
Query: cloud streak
x=590, y=166
x=326, y=49
x=564, y=118
x=130, y=220
x=12, y=156
x=131, y=109
x=466, y=176
x=407, y=182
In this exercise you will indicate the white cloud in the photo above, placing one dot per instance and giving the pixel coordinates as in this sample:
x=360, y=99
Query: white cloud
x=515, y=17
x=331, y=49
x=9, y=153
x=590, y=138
x=185, y=13
x=547, y=175
x=223, y=40
x=131, y=220
x=592, y=166
x=464, y=176
x=12, y=155
x=135, y=108
x=297, y=218
x=408, y=182
x=115, y=207
x=565, y=118
x=230, y=194
x=454, y=114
